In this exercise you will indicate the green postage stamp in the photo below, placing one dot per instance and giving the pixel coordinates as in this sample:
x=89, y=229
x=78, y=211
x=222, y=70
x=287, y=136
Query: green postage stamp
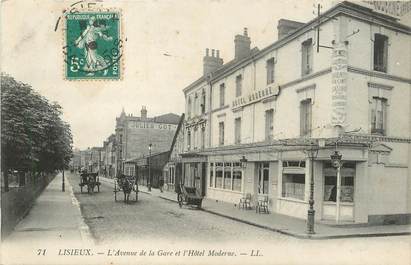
x=93, y=45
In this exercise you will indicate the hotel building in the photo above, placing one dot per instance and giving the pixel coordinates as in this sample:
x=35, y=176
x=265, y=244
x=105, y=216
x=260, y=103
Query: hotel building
x=341, y=82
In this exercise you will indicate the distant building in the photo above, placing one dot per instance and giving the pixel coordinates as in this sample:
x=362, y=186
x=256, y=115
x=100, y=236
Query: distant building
x=133, y=135
x=109, y=157
x=76, y=160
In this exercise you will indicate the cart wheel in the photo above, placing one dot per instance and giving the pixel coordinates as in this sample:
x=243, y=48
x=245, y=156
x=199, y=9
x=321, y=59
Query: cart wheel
x=180, y=200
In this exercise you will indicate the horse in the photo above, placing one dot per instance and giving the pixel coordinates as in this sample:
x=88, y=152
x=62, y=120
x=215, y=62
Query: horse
x=127, y=185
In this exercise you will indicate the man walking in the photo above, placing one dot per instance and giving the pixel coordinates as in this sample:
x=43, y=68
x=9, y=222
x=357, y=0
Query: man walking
x=161, y=183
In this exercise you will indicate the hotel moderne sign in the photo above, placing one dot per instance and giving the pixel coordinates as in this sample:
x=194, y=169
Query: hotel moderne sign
x=256, y=96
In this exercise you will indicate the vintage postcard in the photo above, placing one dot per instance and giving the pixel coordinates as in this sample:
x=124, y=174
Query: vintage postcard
x=205, y=132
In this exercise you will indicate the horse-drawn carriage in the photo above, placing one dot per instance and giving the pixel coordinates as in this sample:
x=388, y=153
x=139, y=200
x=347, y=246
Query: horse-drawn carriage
x=90, y=180
x=189, y=196
x=126, y=184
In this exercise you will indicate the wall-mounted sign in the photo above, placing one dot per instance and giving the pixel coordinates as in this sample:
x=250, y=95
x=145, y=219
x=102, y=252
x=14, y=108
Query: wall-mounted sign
x=151, y=125
x=339, y=71
x=256, y=96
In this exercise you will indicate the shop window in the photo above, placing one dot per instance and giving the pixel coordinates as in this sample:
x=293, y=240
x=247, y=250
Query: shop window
x=238, y=85
x=211, y=179
x=237, y=177
x=293, y=186
x=380, y=53
x=222, y=95
x=227, y=176
x=221, y=133
x=218, y=175
x=298, y=163
x=270, y=70
x=305, y=117
x=237, y=131
x=307, y=57
x=269, y=124
x=378, y=115
x=263, y=177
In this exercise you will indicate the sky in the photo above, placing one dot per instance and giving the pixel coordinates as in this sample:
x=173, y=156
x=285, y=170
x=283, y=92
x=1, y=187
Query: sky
x=31, y=52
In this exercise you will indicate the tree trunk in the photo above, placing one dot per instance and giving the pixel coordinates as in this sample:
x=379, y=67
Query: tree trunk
x=6, y=180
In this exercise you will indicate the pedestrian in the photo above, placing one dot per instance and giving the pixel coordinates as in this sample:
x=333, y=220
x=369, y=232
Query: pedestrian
x=161, y=184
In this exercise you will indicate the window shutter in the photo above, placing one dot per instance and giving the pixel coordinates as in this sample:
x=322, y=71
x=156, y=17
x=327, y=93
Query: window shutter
x=385, y=55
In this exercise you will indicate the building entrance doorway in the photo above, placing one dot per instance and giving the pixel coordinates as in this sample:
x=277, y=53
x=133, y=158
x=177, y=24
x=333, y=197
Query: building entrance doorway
x=342, y=208
x=263, y=178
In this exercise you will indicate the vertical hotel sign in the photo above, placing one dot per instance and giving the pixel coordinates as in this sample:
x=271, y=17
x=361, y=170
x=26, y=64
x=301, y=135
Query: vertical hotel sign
x=339, y=70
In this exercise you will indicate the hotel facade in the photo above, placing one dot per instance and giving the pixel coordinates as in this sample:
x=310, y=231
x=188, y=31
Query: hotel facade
x=341, y=82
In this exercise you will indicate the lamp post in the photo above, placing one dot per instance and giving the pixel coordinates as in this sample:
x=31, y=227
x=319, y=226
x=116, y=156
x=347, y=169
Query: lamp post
x=149, y=167
x=336, y=161
x=243, y=162
x=63, y=185
x=312, y=154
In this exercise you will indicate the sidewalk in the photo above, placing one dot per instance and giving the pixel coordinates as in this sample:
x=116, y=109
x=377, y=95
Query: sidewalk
x=55, y=218
x=285, y=224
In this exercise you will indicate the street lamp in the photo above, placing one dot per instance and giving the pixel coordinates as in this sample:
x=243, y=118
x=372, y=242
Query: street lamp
x=312, y=154
x=336, y=161
x=243, y=162
x=149, y=167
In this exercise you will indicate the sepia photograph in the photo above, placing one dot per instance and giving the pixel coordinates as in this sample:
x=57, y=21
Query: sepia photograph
x=205, y=132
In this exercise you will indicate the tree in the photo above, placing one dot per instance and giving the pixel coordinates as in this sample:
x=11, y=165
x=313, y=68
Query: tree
x=33, y=135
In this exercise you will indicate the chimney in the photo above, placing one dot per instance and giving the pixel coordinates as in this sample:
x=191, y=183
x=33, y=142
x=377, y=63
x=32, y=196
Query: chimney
x=143, y=113
x=211, y=63
x=286, y=27
x=242, y=45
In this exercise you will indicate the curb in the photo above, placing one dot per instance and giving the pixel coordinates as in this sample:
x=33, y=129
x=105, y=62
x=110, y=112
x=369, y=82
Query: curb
x=83, y=227
x=167, y=199
x=299, y=236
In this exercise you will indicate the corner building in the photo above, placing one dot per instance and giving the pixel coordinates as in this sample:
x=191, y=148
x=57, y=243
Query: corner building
x=270, y=106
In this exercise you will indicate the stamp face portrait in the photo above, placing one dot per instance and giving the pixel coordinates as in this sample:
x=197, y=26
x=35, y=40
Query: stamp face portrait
x=93, y=45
